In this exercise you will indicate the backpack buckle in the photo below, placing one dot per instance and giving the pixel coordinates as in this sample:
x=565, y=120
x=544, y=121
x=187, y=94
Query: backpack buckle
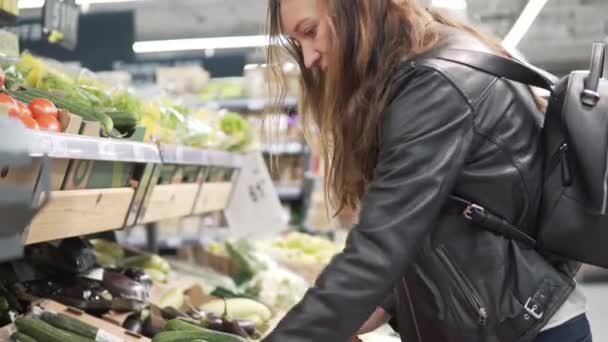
x=590, y=98
x=471, y=210
x=533, y=309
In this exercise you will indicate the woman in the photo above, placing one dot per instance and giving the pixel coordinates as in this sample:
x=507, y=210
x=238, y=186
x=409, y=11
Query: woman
x=403, y=133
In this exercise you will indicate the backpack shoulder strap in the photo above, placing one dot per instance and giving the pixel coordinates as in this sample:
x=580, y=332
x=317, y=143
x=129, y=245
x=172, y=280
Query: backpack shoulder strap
x=498, y=66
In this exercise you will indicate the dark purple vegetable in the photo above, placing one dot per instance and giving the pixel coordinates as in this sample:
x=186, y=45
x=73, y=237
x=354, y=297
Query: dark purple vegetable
x=170, y=312
x=126, y=305
x=87, y=295
x=213, y=323
x=154, y=325
x=124, y=287
x=138, y=275
x=248, y=326
x=233, y=327
x=71, y=256
x=133, y=324
x=194, y=314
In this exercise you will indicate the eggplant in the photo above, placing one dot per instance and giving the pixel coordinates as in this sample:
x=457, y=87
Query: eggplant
x=233, y=327
x=214, y=323
x=71, y=256
x=170, y=312
x=126, y=305
x=138, y=275
x=124, y=287
x=247, y=326
x=154, y=325
x=133, y=324
x=194, y=314
x=85, y=294
x=238, y=326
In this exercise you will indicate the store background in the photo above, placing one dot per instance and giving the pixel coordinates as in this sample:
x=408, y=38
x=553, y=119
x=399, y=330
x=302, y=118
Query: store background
x=558, y=39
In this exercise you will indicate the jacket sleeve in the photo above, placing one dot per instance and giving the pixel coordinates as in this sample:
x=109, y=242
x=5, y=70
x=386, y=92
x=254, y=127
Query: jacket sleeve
x=426, y=133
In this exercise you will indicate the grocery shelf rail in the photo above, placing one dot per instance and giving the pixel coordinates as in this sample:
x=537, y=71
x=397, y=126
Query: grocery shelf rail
x=72, y=146
x=120, y=184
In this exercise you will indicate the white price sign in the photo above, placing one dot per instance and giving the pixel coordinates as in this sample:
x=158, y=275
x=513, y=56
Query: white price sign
x=254, y=208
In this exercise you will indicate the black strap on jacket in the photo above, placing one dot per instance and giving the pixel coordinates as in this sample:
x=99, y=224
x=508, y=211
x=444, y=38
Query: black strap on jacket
x=513, y=70
x=489, y=221
x=498, y=66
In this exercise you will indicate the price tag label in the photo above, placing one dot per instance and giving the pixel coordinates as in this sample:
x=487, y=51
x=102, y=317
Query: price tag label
x=60, y=22
x=254, y=208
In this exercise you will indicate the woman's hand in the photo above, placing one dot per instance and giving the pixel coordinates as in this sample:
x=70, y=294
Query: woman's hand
x=379, y=318
x=375, y=321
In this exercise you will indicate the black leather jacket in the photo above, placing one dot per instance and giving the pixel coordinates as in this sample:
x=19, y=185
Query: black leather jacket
x=449, y=130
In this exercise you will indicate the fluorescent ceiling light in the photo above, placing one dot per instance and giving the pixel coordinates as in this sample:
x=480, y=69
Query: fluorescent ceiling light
x=28, y=4
x=450, y=4
x=523, y=23
x=198, y=44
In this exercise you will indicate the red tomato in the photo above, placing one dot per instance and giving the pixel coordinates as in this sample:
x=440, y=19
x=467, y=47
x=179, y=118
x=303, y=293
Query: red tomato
x=42, y=107
x=13, y=108
x=2, y=78
x=29, y=122
x=23, y=110
x=48, y=123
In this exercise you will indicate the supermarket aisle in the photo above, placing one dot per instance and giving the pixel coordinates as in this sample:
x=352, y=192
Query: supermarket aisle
x=597, y=295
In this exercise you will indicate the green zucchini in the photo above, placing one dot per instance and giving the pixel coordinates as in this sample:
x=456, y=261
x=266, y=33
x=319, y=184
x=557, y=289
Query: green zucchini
x=124, y=121
x=20, y=337
x=69, y=324
x=45, y=332
x=206, y=334
x=180, y=336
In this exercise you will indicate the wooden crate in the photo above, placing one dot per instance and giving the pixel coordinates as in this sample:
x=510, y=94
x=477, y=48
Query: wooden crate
x=28, y=175
x=80, y=212
x=170, y=201
x=213, y=197
x=104, y=324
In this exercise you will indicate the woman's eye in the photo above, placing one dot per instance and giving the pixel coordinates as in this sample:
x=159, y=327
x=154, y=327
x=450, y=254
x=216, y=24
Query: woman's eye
x=311, y=32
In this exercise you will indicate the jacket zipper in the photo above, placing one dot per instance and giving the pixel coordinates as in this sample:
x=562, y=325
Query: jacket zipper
x=412, y=310
x=557, y=158
x=468, y=291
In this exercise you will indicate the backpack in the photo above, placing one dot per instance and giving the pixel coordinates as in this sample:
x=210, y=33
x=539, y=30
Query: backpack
x=573, y=214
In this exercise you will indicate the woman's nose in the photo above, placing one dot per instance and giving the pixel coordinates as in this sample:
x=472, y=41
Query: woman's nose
x=311, y=58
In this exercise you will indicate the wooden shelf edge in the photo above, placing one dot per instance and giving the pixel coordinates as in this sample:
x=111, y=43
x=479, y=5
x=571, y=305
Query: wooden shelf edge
x=80, y=212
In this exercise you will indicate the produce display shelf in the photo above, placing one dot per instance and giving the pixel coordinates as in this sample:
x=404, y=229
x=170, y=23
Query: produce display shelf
x=70, y=146
x=213, y=197
x=80, y=212
x=169, y=201
x=184, y=155
x=252, y=105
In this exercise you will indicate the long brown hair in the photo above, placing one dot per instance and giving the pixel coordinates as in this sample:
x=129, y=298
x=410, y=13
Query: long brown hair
x=342, y=108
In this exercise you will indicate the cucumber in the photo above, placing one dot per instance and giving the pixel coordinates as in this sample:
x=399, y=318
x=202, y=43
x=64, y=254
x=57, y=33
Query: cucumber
x=206, y=334
x=179, y=336
x=19, y=337
x=124, y=121
x=79, y=108
x=45, y=332
x=69, y=324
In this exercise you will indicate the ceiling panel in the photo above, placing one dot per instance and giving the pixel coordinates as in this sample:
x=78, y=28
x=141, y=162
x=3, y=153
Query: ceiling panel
x=170, y=19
